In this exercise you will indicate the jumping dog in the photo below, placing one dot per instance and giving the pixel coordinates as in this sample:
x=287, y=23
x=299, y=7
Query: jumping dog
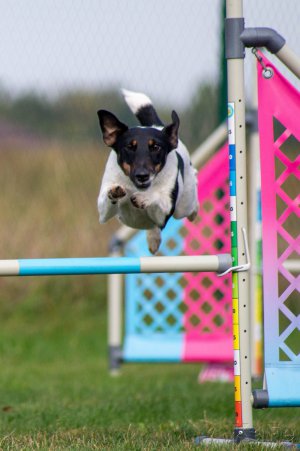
x=148, y=176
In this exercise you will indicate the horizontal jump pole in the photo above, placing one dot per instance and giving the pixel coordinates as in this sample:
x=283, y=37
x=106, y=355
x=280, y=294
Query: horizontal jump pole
x=114, y=265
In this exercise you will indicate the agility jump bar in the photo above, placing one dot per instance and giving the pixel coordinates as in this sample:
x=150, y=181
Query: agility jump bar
x=114, y=265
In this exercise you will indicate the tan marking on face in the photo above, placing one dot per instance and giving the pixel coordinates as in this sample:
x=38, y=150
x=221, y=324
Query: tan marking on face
x=134, y=143
x=157, y=167
x=150, y=143
x=126, y=168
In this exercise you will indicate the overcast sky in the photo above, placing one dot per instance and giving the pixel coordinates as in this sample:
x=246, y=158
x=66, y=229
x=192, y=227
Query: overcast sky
x=162, y=47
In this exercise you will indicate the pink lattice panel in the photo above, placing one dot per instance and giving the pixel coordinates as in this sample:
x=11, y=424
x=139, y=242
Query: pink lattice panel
x=279, y=126
x=208, y=317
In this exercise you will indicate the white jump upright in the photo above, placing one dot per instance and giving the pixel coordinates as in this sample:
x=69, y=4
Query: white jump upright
x=235, y=54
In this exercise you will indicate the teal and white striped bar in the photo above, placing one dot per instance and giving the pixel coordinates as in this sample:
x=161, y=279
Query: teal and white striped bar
x=118, y=265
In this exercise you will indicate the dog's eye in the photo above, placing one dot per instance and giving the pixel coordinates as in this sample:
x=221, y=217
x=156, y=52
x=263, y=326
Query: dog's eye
x=130, y=146
x=155, y=147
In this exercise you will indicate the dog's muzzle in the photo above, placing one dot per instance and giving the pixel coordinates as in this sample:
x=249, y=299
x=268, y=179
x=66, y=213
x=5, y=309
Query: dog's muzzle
x=142, y=180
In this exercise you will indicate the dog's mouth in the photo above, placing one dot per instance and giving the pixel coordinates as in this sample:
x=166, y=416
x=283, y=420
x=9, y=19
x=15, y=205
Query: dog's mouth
x=142, y=185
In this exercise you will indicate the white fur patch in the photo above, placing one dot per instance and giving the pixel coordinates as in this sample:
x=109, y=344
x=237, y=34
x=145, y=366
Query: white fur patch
x=135, y=100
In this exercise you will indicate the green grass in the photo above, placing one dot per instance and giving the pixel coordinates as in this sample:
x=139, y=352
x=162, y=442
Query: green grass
x=56, y=393
x=55, y=389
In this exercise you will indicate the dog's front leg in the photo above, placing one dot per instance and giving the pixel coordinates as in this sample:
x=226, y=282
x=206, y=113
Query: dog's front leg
x=108, y=201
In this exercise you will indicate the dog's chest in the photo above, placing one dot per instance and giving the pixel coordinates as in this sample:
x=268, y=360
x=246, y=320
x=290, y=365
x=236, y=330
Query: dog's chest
x=134, y=217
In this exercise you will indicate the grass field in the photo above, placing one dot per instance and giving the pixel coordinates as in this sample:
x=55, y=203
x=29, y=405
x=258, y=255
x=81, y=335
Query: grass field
x=55, y=390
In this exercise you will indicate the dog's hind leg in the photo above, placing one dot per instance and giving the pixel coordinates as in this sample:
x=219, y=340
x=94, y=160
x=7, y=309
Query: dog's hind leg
x=153, y=239
x=193, y=215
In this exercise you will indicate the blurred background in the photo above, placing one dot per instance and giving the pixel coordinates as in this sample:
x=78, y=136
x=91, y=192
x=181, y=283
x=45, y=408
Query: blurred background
x=61, y=62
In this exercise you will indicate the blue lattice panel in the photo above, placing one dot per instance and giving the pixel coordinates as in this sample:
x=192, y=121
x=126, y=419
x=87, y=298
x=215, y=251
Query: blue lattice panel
x=154, y=303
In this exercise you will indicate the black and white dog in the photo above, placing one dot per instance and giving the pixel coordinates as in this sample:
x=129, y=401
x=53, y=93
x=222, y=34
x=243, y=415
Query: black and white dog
x=148, y=176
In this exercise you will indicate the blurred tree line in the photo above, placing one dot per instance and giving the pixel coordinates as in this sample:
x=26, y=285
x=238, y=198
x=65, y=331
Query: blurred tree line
x=72, y=115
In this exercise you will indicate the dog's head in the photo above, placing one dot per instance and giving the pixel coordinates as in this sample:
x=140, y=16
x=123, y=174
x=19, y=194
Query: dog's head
x=141, y=151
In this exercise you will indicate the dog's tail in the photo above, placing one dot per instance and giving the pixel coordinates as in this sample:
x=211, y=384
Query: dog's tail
x=142, y=107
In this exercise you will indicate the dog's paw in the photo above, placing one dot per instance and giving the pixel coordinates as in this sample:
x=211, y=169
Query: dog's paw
x=193, y=216
x=116, y=192
x=139, y=201
x=154, y=240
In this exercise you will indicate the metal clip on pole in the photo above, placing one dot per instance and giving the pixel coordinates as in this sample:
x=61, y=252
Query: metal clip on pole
x=267, y=71
x=246, y=266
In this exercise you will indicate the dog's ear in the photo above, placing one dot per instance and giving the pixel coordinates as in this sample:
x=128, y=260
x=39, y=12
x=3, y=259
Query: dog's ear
x=111, y=127
x=172, y=130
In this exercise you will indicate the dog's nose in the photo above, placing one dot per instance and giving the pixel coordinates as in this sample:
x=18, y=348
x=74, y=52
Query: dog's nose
x=142, y=177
